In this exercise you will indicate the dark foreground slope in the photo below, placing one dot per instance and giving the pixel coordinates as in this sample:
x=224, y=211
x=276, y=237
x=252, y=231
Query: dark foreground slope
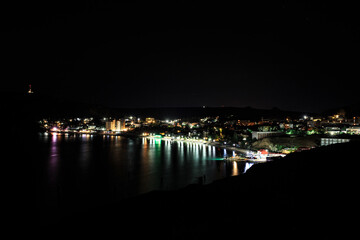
x=305, y=195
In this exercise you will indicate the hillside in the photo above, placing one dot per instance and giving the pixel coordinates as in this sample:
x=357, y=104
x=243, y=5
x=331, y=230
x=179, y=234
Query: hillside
x=287, y=142
x=37, y=106
x=349, y=110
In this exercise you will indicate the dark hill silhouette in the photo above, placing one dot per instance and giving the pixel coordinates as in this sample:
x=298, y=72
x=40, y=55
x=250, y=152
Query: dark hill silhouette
x=349, y=110
x=37, y=106
x=196, y=112
x=308, y=194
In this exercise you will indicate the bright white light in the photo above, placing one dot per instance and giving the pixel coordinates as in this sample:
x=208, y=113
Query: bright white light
x=247, y=166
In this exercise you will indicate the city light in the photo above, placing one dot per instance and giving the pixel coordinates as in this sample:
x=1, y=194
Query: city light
x=54, y=129
x=226, y=134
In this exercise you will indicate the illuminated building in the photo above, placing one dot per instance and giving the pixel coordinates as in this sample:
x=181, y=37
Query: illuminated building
x=356, y=120
x=260, y=135
x=120, y=125
x=329, y=141
x=115, y=125
x=110, y=125
x=128, y=122
x=332, y=130
x=353, y=130
x=262, y=154
x=150, y=120
x=286, y=125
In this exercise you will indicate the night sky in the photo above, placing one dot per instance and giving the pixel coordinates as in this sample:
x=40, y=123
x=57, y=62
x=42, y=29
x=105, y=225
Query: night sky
x=294, y=55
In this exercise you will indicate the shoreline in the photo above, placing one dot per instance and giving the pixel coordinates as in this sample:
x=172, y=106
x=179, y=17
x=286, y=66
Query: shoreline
x=150, y=137
x=242, y=151
x=232, y=148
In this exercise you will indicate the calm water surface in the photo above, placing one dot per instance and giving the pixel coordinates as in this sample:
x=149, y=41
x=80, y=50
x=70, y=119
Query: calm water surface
x=83, y=170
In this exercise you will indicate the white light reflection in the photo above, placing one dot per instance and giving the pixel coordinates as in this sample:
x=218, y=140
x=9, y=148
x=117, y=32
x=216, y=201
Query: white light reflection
x=167, y=153
x=181, y=151
x=196, y=146
x=188, y=146
x=84, y=154
x=247, y=166
x=53, y=158
x=204, y=151
x=168, y=145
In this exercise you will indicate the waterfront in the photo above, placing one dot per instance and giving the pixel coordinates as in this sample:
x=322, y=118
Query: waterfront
x=83, y=170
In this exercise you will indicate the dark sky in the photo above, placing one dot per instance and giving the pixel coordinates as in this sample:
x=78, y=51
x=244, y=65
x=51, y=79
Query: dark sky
x=294, y=55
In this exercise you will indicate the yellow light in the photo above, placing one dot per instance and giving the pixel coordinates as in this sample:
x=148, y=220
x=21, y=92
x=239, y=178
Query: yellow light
x=235, y=169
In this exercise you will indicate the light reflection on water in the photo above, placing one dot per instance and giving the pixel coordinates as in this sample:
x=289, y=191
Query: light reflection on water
x=120, y=167
x=235, y=169
x=53, y=158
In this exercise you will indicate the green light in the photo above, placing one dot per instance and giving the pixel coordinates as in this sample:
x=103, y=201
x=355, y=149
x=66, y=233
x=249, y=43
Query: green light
x=311, y=132
x=216, y=159
x=290, y=132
